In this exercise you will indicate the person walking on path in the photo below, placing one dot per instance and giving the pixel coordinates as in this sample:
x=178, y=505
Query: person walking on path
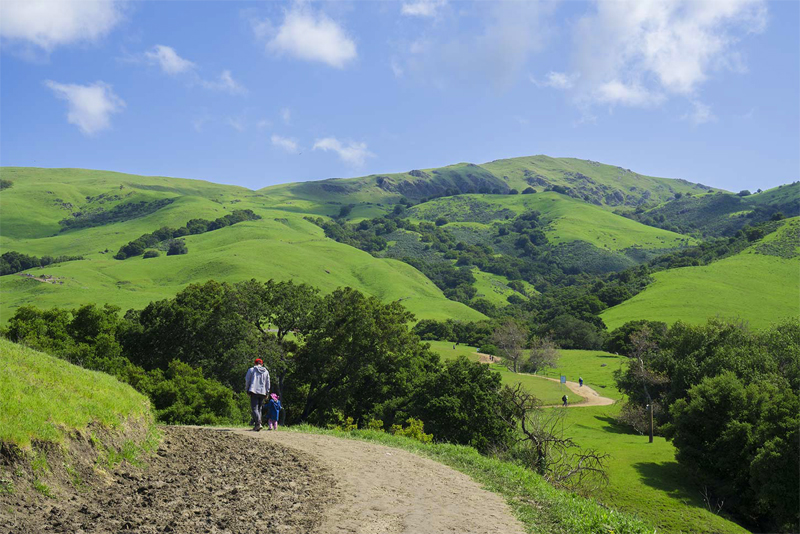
x=564, y=400
x=580, y=381
x=256, y=383
x=273, y=411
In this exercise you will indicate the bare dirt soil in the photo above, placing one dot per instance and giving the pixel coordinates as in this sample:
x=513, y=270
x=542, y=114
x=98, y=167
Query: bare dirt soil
x=382, y=490
x=199, y=480
x=591, y=397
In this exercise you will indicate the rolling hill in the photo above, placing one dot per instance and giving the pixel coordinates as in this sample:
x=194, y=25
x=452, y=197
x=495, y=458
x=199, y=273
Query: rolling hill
x=759, y=285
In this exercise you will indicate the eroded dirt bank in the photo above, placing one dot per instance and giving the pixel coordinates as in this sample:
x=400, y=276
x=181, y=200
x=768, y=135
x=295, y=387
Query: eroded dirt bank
x=200, y=480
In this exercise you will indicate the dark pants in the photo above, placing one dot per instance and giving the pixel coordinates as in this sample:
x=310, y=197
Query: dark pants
x=256, y=404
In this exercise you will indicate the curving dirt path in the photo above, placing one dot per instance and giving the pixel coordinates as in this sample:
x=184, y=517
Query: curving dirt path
x=591, y=397
x=382, y=490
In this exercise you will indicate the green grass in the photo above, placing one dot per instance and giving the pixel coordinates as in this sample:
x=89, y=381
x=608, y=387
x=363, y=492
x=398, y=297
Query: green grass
x=756, y=288
x=644, y=478
x=566, y=219
x=43, y=398
x=540, y=507
x=281, y=246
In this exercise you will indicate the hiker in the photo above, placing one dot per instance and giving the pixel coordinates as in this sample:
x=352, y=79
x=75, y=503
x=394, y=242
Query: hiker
x=564, y=399
x=256, y=383
x=580, y=381
x=273, y=411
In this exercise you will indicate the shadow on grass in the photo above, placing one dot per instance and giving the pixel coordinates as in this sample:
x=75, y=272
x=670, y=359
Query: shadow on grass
x=613, y=426
x=669, y=477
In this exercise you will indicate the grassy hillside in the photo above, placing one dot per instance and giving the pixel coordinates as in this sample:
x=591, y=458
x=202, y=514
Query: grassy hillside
x=281, y=245
x=759, y=285
x=44, y=398
x=597, y=183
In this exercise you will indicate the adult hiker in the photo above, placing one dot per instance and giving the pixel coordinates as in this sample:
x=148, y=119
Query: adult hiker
x=564, y=399
x=580, y=381
x=256, y=383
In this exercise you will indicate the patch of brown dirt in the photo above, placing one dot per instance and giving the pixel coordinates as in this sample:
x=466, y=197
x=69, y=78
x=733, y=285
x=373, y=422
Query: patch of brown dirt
x=199, y=480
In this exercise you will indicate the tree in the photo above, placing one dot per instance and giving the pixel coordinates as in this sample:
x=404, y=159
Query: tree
x=177, y=247
x=743, y=193
x=572, y=333
x=462, y=404
x=619, y=340
x=150, y=254
x=359, y=359
x=528, y=191
x=545, y=448
x=510, y=339
x=543, y=353
x=441, y=221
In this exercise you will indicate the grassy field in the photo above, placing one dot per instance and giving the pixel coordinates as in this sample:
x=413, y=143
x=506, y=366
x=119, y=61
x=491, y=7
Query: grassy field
x=43, y=398
x=757, y=288
x=644, y=478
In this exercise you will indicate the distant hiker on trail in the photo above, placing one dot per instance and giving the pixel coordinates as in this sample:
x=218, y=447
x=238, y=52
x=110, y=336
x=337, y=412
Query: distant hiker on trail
x=564, y=400
x=256, y=383
x=580, y=381
x=273, y=411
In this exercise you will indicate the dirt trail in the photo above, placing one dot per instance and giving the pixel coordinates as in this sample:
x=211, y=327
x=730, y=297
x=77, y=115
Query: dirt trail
x=592, y=397
x=389, y=491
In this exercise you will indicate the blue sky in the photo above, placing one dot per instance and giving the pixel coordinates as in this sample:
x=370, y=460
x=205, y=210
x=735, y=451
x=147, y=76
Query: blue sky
x=259, y=93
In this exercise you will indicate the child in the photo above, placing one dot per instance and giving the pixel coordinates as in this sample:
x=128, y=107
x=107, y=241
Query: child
x=273, y=410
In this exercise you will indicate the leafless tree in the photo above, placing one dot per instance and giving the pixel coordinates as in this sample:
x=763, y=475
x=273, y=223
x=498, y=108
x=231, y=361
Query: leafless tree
x=543, y=353
x=547, y=449
x=510, y=338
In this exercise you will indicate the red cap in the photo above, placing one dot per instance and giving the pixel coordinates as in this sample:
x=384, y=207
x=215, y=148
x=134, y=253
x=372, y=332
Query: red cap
x=259, y=361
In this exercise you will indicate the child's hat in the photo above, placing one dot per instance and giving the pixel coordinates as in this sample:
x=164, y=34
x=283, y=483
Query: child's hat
x=259, y=361
x=274, y=396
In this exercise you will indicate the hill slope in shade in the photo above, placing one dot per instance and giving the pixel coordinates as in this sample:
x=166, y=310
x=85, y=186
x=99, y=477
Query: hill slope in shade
x=759, y=285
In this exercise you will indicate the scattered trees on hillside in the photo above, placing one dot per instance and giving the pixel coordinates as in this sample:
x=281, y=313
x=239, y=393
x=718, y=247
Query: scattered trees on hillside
x=728, y=398
x=13, y=262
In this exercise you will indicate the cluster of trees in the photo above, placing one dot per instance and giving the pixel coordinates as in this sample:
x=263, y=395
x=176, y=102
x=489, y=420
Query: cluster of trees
x=728, y=398
x=120, y=212
x=169, y=237
x=13, y=262
x=343, y=354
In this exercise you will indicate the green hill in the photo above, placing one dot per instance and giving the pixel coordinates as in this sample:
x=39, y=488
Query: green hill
x=43, y=398
x=280, y=245
x=759, y=285
x=590, y=181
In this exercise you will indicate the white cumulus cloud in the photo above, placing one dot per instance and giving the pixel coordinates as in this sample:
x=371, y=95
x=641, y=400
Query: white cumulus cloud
x=636, y=53
x=49, y=24
x=701, y=113
x=169, y=60
x=310, y=36
x=422, y=8
x=351, y=152
x=284, y=143
x=557, y=80
x=89, y=106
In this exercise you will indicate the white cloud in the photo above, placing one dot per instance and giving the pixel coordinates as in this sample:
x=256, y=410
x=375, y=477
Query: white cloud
x=225, y=83
x=286, y=115
x=49, y=24
x=494, y=42
x=616, y=92
x=310, y=36
x=422, y=8
x=557, y=80
x=351, y=152
x=169, y=60
x=701, y=114
x=89, y=106
x=637, y=53
x=237, y=123
x=284, y=143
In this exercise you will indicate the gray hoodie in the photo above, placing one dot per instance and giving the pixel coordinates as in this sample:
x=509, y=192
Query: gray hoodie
x=257, y=380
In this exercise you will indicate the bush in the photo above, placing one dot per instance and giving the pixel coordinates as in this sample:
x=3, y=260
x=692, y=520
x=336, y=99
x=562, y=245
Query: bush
x=177, y=247
x=414, y=430
x=151, y=254
x=528, y=191
x=441, y=221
